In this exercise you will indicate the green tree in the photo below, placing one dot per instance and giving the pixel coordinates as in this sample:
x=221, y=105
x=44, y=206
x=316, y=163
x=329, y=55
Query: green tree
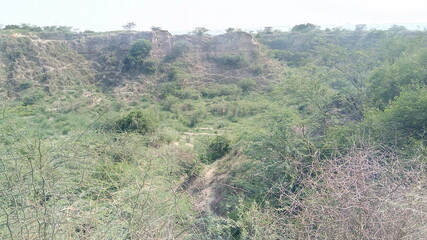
x=11, y=26
x=360, y=28
x=141, y=48
x=200, y=31
x=268, y=30
x=387, y=81
x=129, y=26
x=305, y=27
x=405, y=118
x=230, y=30
x=136, y=60
x=396, y=28
x=140, y=121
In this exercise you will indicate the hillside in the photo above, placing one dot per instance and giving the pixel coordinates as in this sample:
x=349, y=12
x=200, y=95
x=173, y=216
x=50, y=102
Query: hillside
x=99, y=59
x=307, y=134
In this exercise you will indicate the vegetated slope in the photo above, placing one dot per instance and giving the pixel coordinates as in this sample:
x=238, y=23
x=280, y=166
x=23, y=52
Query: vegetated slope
x=64, y=97
x=98, y=59
x=144, y=135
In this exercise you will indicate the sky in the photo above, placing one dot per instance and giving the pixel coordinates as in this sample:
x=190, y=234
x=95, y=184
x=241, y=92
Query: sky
x=184, y=15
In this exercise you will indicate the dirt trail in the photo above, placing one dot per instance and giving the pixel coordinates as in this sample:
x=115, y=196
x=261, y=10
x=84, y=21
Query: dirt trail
x=207, y=195
x=206, y=187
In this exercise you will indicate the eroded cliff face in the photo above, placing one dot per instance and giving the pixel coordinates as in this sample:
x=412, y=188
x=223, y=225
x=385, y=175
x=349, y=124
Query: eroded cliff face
x=224, y=58
x=29, y=61
x=121, y=43
x=234, y=42
x=53, y=61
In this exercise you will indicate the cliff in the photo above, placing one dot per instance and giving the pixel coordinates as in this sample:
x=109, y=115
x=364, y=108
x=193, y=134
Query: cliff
x=55, y=60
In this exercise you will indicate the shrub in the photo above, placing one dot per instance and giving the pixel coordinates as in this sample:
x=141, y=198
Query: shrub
x=32, y=98
x=110, y=174
x=176, y=73
x=169, y=88
x=188, y=93
x=148, y=67
x=247, y=84
x=231, y=61
x=215, y=227
x=190, y=167
x=163, y=135
x=169, y=102
x=195, y=117
x=140, y=121
x=218, y=90
x=292, y=59
x=138, y=63
x=178, y=50
x=23, y=86
x=29, y=100
x=215, y=149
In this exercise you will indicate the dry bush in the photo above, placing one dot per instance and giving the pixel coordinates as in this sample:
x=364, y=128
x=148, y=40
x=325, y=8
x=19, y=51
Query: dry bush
x=102, y=187
x=367, y=194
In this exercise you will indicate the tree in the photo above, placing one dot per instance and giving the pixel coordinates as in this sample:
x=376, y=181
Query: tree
x=139, y=121
x=154, y=29
x=50, y=28
x=141, y=48
x=268, y=30
x=129, y=26
x=57, y=29
x=136, y=60
x=405, y=117
x=396, y=28
x=200, y=31
x=360, y=28
x=387, y=81
x=64, y=29
x=12, y=26
x=230, y=29
x=307, y=27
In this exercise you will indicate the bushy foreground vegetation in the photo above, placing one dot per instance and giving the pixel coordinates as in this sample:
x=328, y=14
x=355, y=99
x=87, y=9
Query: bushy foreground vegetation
x=317, y=137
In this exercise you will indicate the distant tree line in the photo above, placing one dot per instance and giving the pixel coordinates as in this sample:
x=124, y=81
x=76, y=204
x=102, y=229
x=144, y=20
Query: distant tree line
x=35, y=28
x=309, y=27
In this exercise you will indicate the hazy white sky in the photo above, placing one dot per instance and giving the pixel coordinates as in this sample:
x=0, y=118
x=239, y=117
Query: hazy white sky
x=184, y=15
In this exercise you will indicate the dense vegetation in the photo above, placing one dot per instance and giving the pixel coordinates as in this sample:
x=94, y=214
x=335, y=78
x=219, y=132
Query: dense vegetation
x=315, y=134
